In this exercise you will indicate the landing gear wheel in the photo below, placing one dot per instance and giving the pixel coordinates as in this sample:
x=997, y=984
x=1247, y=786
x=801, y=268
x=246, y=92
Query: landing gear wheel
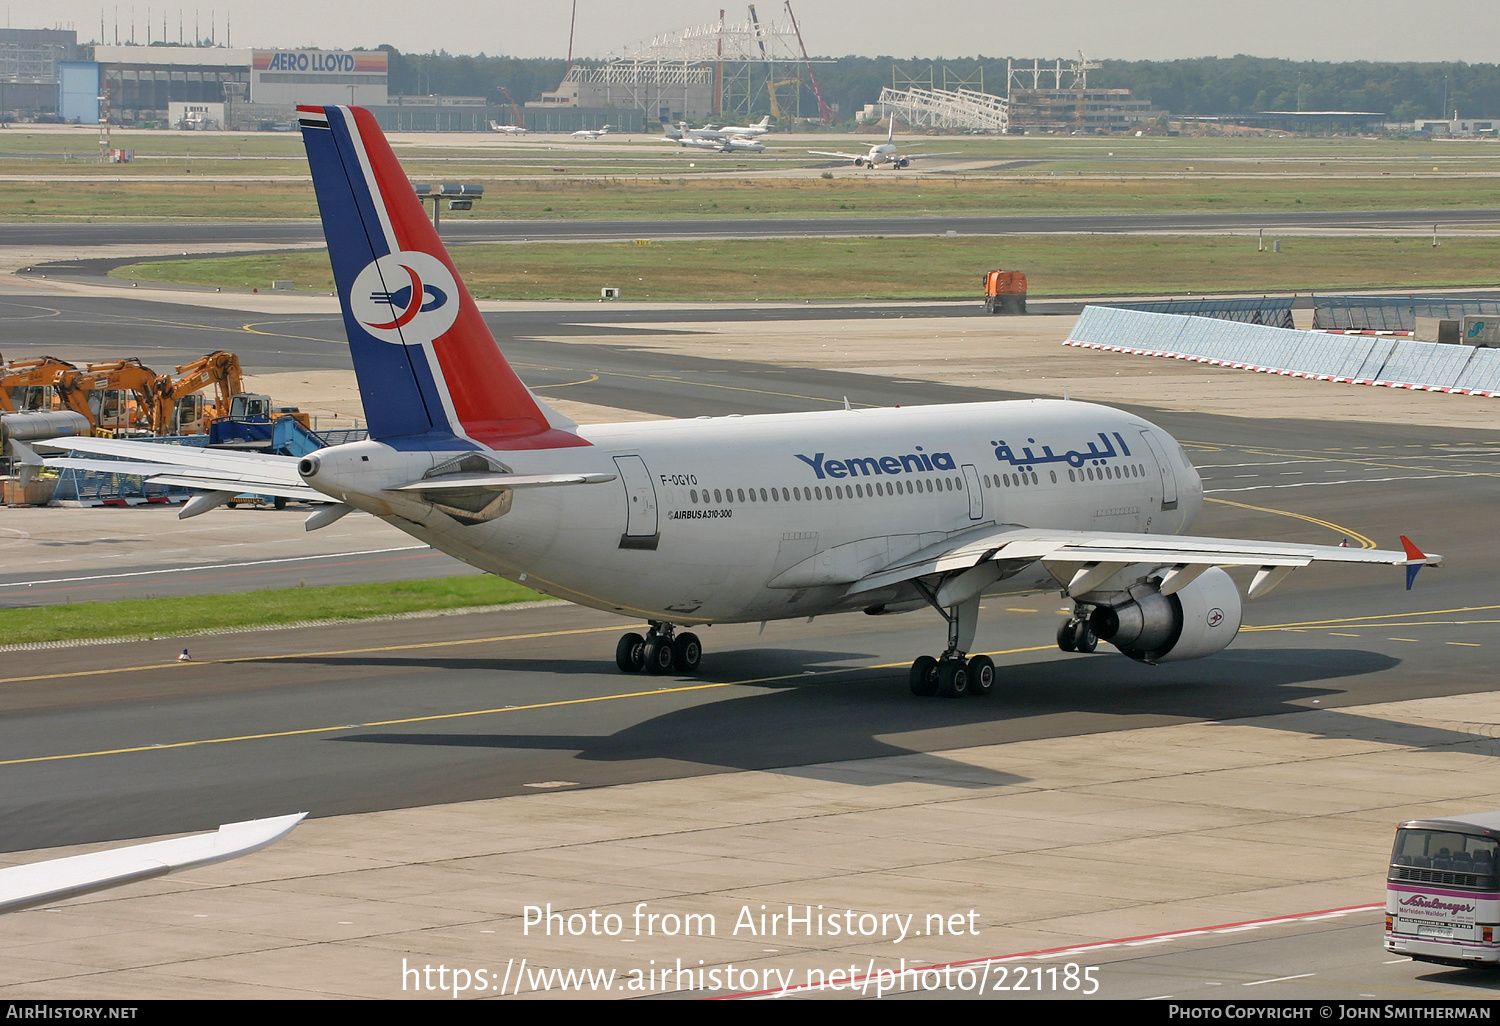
x=687, y=650
x=630, y=654
x=1084, y=638
x=981, y=676
x=924, y=676
x=658, y=654
x=1067, y=636
x=953, y=678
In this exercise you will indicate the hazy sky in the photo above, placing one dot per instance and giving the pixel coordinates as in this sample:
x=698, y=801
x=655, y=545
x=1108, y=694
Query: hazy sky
x=1328, y=30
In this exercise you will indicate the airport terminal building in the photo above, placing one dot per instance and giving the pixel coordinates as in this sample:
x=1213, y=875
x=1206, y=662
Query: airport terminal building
x=228, y=86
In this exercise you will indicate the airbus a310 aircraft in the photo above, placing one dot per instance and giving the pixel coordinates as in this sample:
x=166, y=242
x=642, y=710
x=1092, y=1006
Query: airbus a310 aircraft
x=883, y=153
x=735, y=518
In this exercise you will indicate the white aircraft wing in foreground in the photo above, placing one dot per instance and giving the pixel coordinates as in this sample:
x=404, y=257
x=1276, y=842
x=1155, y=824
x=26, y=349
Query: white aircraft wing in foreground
x=218, y=475
x=737, y=519
x=43, y=883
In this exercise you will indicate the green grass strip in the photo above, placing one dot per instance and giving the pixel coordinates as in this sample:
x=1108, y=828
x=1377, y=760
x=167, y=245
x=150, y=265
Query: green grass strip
x=905, y=268
x=166, y=617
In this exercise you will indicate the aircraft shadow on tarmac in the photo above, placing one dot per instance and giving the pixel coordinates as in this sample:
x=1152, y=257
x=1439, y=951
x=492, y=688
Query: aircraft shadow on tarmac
x=862, y=714
x=1480, y=977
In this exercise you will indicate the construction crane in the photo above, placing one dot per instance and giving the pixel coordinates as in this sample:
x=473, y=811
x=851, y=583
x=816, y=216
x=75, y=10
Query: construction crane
x=520, y=121
x=771, y=82
x=825, y=112
x=1080, y=82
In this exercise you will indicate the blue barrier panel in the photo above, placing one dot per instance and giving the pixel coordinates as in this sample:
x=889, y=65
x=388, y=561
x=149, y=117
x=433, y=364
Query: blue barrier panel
x=1447, y=366
x=1374, y=364
x=1481, y=373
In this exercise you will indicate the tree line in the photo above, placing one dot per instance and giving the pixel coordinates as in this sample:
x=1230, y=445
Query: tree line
x=1204, y=85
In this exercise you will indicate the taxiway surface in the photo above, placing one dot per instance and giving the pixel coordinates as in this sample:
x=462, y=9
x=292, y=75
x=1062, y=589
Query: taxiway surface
x=360, y=721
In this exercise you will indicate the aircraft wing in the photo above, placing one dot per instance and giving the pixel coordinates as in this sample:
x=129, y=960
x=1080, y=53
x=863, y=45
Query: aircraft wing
x=1089, y=558
x=212, y=470
x=42, y=883
x=845, y=156
x=925, y=156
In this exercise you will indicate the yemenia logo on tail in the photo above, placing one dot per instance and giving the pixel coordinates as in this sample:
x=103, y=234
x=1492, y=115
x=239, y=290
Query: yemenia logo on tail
x=405, y=298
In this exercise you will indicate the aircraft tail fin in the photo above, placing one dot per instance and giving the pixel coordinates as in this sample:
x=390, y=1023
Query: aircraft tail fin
x=430, y=374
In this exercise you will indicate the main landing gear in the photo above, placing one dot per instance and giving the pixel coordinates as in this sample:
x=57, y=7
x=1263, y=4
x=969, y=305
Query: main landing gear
x=1075, y=634
x=662, y=650
x=953, y=674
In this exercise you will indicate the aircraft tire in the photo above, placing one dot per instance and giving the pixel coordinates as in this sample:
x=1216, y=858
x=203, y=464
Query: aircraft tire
x=687, y=651
x=1066, y=636
x=658, y=655
x=953, y=678
x=1084, y=638
x=981, y=676
x=630, y=654
x=924, y=676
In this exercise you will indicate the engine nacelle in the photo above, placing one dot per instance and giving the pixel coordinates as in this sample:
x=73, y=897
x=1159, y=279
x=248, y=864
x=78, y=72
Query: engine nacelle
x=1197, y=621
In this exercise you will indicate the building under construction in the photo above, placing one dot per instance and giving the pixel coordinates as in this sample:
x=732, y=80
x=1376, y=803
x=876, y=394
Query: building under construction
x=1052, y=97
x=724, y=68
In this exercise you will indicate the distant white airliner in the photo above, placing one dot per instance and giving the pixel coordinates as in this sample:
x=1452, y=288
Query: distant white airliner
x=496, y=126
x=761, y=127
x=726, y=145
x=708, y=138
x=733, y=519
x=883, y=153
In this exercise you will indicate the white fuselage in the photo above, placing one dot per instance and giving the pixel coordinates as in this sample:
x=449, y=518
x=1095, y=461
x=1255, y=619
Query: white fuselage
x=762, y=517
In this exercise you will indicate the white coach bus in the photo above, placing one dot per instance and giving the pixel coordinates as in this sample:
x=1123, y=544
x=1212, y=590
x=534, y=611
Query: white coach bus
x=1442, y=892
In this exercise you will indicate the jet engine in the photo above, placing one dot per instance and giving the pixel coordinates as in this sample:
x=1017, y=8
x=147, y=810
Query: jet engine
x=1196, y=621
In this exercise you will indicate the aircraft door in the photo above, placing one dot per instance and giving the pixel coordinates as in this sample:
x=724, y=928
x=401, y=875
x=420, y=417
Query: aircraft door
x=640, y=504
x=976, y=494
x=1167, y=471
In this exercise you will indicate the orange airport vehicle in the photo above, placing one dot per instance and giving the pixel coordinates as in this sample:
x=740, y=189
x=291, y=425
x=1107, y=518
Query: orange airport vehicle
x=125, y=397
x=1005, y=292
x=24, y=386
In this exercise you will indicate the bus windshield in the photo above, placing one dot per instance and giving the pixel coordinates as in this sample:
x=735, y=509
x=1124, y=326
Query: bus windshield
x=1451, y=857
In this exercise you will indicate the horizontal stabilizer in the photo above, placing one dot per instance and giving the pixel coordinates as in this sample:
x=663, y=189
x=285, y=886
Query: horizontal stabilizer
x=463, y=482
x=185, y=466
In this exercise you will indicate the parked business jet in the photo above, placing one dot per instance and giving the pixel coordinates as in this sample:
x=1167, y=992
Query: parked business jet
x=733, y=519
x=883, y=153
x=496, y=126
x=761, y=127
x=728, y=144
x=593, y=133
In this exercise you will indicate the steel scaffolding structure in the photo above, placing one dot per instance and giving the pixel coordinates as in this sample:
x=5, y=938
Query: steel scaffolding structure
x=719, y=41
x=722, y=68
x=963, y=109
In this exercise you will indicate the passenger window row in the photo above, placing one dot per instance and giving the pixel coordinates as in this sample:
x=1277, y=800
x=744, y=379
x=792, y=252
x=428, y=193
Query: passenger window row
x=824, y=494
x=861, y=490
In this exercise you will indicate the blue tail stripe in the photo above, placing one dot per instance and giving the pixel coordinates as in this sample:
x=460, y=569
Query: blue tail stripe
x=399, y=393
